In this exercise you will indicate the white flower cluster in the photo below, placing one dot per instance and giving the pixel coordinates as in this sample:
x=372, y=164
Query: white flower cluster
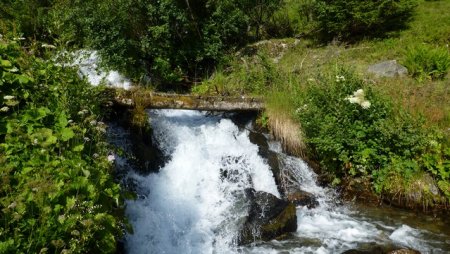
x=340, y=78
x=358, y=98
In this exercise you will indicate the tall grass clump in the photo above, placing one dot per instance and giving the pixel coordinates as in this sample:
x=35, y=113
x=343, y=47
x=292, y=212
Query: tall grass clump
x=282, y=124
x=426, y=62
x=354, y=131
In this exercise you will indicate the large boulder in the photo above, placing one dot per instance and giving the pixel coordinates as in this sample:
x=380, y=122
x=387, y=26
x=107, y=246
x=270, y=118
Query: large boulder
x=388, y=69
x=269, y=218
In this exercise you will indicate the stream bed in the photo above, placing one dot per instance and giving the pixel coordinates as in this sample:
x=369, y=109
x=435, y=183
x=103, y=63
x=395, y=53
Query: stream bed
x=188, y=207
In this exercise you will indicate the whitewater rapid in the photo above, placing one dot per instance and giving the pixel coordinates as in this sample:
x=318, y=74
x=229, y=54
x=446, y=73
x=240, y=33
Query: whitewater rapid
x=188, y=206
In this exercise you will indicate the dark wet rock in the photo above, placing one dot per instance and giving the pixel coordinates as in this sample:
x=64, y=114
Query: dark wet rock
x=272, y=158
x=404, y=251
x=148, y=157
x=373, y=248
x=359, y=189
x=388, y=69
x=269, y=218
x=302, y=198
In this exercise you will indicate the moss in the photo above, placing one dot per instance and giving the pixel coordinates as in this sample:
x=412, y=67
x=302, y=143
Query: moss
x=420, y=191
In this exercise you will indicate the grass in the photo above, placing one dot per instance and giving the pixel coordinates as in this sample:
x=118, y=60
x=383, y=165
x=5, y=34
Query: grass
x=282, y=73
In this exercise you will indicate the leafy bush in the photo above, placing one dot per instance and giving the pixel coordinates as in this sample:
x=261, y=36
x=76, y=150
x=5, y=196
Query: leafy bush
x=354, y=131
x=354, y=19
x=254, y=74
x=425, y=62
x=57, y=192
x=170, y=39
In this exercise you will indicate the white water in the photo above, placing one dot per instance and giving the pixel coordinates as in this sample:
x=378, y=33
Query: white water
x=189, y=208
x=88, y=61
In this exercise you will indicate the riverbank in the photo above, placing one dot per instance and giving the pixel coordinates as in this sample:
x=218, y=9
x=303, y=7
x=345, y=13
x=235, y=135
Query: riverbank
x=391, y=131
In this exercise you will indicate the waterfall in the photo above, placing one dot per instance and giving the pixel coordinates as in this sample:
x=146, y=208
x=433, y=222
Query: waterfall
x=190, y=207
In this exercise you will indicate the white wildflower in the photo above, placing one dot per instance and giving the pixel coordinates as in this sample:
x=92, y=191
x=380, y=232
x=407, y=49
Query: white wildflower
x=358, y=98
x=340, y=78
x=100, y=129
x=87, y=139
x=8, y=97
x=93, y=122
x=12, y=205
x=4, y=109
x=111, y=158
x=365, y=104
x=353, y=100
x=95, y=155
x=35, y=141
x=48, y=46
x=70, y=121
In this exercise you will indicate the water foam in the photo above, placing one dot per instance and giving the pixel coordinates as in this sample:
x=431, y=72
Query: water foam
x=188, y=206
x=88, y=61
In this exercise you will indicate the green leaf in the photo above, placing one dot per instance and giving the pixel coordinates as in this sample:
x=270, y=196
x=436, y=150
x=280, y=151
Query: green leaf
x=66, y=134
x=23, y=79
x=86, y=172
x=70, y=202
x=5, y=63
x=62, y=120
x=78, y=148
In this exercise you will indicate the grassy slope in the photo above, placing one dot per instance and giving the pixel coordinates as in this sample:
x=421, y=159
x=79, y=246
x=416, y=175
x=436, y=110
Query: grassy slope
x=431, y=26
x=282, y=80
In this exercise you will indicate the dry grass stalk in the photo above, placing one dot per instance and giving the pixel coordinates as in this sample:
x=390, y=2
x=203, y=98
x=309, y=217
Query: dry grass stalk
x=287, y=131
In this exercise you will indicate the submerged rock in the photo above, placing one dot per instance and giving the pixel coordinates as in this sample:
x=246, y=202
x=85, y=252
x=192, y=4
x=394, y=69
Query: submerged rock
x=404, y=251
x=388, y=69
x=372, y=248
x=269, y=217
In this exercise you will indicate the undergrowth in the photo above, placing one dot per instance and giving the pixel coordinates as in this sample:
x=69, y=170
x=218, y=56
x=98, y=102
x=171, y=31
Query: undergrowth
x=57, y=193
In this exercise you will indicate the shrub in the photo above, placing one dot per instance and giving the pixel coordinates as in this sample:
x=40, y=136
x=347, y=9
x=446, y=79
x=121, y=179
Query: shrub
x=425, y=62
x=355, y=131
x=170, y=39
x=57, y=192
x=350, y=20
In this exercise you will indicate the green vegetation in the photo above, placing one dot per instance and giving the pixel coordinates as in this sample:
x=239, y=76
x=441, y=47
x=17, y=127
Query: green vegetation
x=424, y=62
x=57, y=193
x=396, y=134
x=350, y=20
x=170, y=40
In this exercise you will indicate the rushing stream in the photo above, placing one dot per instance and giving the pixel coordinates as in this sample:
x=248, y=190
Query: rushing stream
x=189, y=207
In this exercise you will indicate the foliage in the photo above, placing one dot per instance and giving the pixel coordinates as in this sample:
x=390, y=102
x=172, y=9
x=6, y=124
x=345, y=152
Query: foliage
x=57, y=192
x=173, y=40
x=355, y=131
x=343, y=19
x=253, y=74
x=425, y=62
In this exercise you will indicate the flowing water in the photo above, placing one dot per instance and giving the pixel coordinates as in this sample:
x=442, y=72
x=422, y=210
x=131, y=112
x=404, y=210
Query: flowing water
x=190, y=207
